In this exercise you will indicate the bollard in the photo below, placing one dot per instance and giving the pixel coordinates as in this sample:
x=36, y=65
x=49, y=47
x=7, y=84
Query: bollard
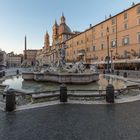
x=3, y=73
x=125, y=74
x=110, y=93
x=112, y=71
x=10, y=100
x=63, y=93
x=17, y=71
x=117, y=72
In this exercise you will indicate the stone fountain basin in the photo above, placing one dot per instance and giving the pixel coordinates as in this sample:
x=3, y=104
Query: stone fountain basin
x=72, y=78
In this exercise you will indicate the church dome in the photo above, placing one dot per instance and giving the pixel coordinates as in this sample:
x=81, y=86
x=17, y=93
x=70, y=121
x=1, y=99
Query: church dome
x=63, y=28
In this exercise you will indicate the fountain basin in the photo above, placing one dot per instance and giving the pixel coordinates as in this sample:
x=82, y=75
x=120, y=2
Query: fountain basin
x=28, y=75
x=72, y=78
x=17, y=82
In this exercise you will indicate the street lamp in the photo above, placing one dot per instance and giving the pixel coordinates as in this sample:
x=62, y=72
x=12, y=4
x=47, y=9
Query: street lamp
x=111, y=51
x=108, y=50
x=109, y=87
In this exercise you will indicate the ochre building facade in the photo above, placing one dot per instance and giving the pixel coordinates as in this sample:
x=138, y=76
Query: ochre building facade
x=117, y=37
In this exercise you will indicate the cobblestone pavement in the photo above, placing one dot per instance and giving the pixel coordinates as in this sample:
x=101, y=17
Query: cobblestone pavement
x=73, y=122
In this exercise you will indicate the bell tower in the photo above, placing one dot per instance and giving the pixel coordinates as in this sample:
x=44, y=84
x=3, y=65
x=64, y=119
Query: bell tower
x=63, y=18
x=55, y=33
x=46, y=41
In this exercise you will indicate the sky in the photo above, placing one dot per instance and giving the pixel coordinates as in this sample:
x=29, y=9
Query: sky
x=34, y=17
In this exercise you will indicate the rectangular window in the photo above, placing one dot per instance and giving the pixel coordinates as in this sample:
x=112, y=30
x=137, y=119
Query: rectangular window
x=138, y=10
x=87, y=49
x=113, y=21
x=126, y=40
x=102, y=34
x=113, y=30
x=102, y=46
x=113, y=43
x=93, y=36
x=95, y=57
x=125, y=54
x=138, y=21
x=93, y=48
x=138, y=37
x=101, y=26
x=77, y=42
x=125, y=16
x=125, y=26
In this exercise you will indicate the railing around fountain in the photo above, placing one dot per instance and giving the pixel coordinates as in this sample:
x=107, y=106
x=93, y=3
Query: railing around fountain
x=13, y=98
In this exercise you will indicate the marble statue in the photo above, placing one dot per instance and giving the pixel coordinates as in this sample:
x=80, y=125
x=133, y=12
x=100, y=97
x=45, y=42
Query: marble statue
x=37, y=68
x=26, y=64
x=93, y=68
x=61, y=56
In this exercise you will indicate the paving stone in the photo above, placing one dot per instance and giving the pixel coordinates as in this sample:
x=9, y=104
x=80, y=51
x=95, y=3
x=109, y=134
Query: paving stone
x=73, y=122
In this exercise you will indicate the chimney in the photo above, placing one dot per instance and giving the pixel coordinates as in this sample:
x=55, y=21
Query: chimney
x=90, y=25
x=133, y=3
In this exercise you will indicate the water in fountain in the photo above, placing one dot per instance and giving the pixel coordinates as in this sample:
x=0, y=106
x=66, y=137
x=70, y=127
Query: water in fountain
x=17, y=82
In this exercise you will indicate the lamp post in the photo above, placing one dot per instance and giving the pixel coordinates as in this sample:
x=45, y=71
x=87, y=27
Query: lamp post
x=111, y=51
x=107, y=49
x=109, y=87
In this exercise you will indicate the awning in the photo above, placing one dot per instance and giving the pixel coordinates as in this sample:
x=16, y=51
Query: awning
x=80, y=54
x=118, y=61
x=127, y=61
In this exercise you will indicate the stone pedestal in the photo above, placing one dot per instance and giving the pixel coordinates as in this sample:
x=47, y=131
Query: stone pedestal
x=72, y=78
x=125, y=74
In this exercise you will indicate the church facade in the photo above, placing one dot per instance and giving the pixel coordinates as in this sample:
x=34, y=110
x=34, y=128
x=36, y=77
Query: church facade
x=60, y=34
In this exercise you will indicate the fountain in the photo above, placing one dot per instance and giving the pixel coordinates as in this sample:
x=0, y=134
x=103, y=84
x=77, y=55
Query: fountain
x=26, y=90
x=61, y=72
x=30, y=92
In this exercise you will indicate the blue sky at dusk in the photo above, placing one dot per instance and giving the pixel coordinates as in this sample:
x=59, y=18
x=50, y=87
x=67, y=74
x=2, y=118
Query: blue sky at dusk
x=34, y=17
